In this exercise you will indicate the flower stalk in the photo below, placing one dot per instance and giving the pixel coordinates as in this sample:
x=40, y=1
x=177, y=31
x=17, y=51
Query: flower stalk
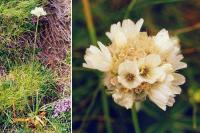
x=35, y=40
x=106, y=112
x=135, y=120
x=38, y=11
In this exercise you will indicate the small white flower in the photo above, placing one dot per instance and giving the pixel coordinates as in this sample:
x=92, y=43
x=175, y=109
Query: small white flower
x=163, y=41
x=149, y=68
x=124, y=98
x=131, y=29
x=38, y=11
x=128, y=74
x=161, y=95
x=99, y=59
x=116, y=35
x=120, y=34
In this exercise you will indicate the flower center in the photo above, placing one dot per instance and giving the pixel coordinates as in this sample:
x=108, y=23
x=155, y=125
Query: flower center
x=142, y=87
x=144, y=71
x=138, y=90
x=130, y=77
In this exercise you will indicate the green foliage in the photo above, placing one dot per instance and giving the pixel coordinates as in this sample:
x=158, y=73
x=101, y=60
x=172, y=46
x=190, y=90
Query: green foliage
x=62, y=124
x=21, y=83
x=18, y=9
x=15, y=17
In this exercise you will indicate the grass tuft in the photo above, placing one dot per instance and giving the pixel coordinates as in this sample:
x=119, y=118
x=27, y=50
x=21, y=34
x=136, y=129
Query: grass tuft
x=21, y=83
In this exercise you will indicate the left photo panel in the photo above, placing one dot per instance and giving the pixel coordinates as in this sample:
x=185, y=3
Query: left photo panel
x=35, y=66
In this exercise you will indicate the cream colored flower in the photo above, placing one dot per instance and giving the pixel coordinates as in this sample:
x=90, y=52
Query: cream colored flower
x=138, y=66
x=38, y=11
x=128, y=74
x=124, y=97
x=120, y=34
x=99, y=59
x=149, y=68
x=163, y=41
x=163, y=93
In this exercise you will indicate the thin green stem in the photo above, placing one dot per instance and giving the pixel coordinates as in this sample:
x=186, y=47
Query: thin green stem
x=135, y=120
x=194, y=116
x=130, y=7
x=33, y=56
x=35, y=40
x=106, y=112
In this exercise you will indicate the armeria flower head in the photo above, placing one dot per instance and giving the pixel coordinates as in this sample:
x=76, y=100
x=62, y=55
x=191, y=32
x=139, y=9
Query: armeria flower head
x=138, y=66
x=38, y=11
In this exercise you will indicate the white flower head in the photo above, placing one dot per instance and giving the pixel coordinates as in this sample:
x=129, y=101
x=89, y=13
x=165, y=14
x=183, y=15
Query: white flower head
x=38, y=11
x=139, y=66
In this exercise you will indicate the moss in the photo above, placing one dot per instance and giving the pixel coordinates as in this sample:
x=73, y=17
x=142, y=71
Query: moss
x=21, y=83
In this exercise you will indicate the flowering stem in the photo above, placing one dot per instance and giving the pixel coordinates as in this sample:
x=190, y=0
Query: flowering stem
x=33, y=59
x=35, y=39
x=106, y=112
x=194, y=117
x=130, y=7
x=135, y=120
x=89, y=21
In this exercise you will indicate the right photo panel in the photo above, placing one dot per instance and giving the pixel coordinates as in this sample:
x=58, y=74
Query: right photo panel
x=136, y=66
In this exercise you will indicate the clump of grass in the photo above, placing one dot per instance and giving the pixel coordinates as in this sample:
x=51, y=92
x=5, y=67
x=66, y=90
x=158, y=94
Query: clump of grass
x=21, y=83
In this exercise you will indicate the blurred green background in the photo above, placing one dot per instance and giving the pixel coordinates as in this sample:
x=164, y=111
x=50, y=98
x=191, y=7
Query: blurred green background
x=93, y=110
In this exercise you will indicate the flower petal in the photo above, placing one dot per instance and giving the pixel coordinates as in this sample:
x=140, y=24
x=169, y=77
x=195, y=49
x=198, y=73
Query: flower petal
x=162, y=41
x=139, y=24
x=153, y=60
x=178, y=79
